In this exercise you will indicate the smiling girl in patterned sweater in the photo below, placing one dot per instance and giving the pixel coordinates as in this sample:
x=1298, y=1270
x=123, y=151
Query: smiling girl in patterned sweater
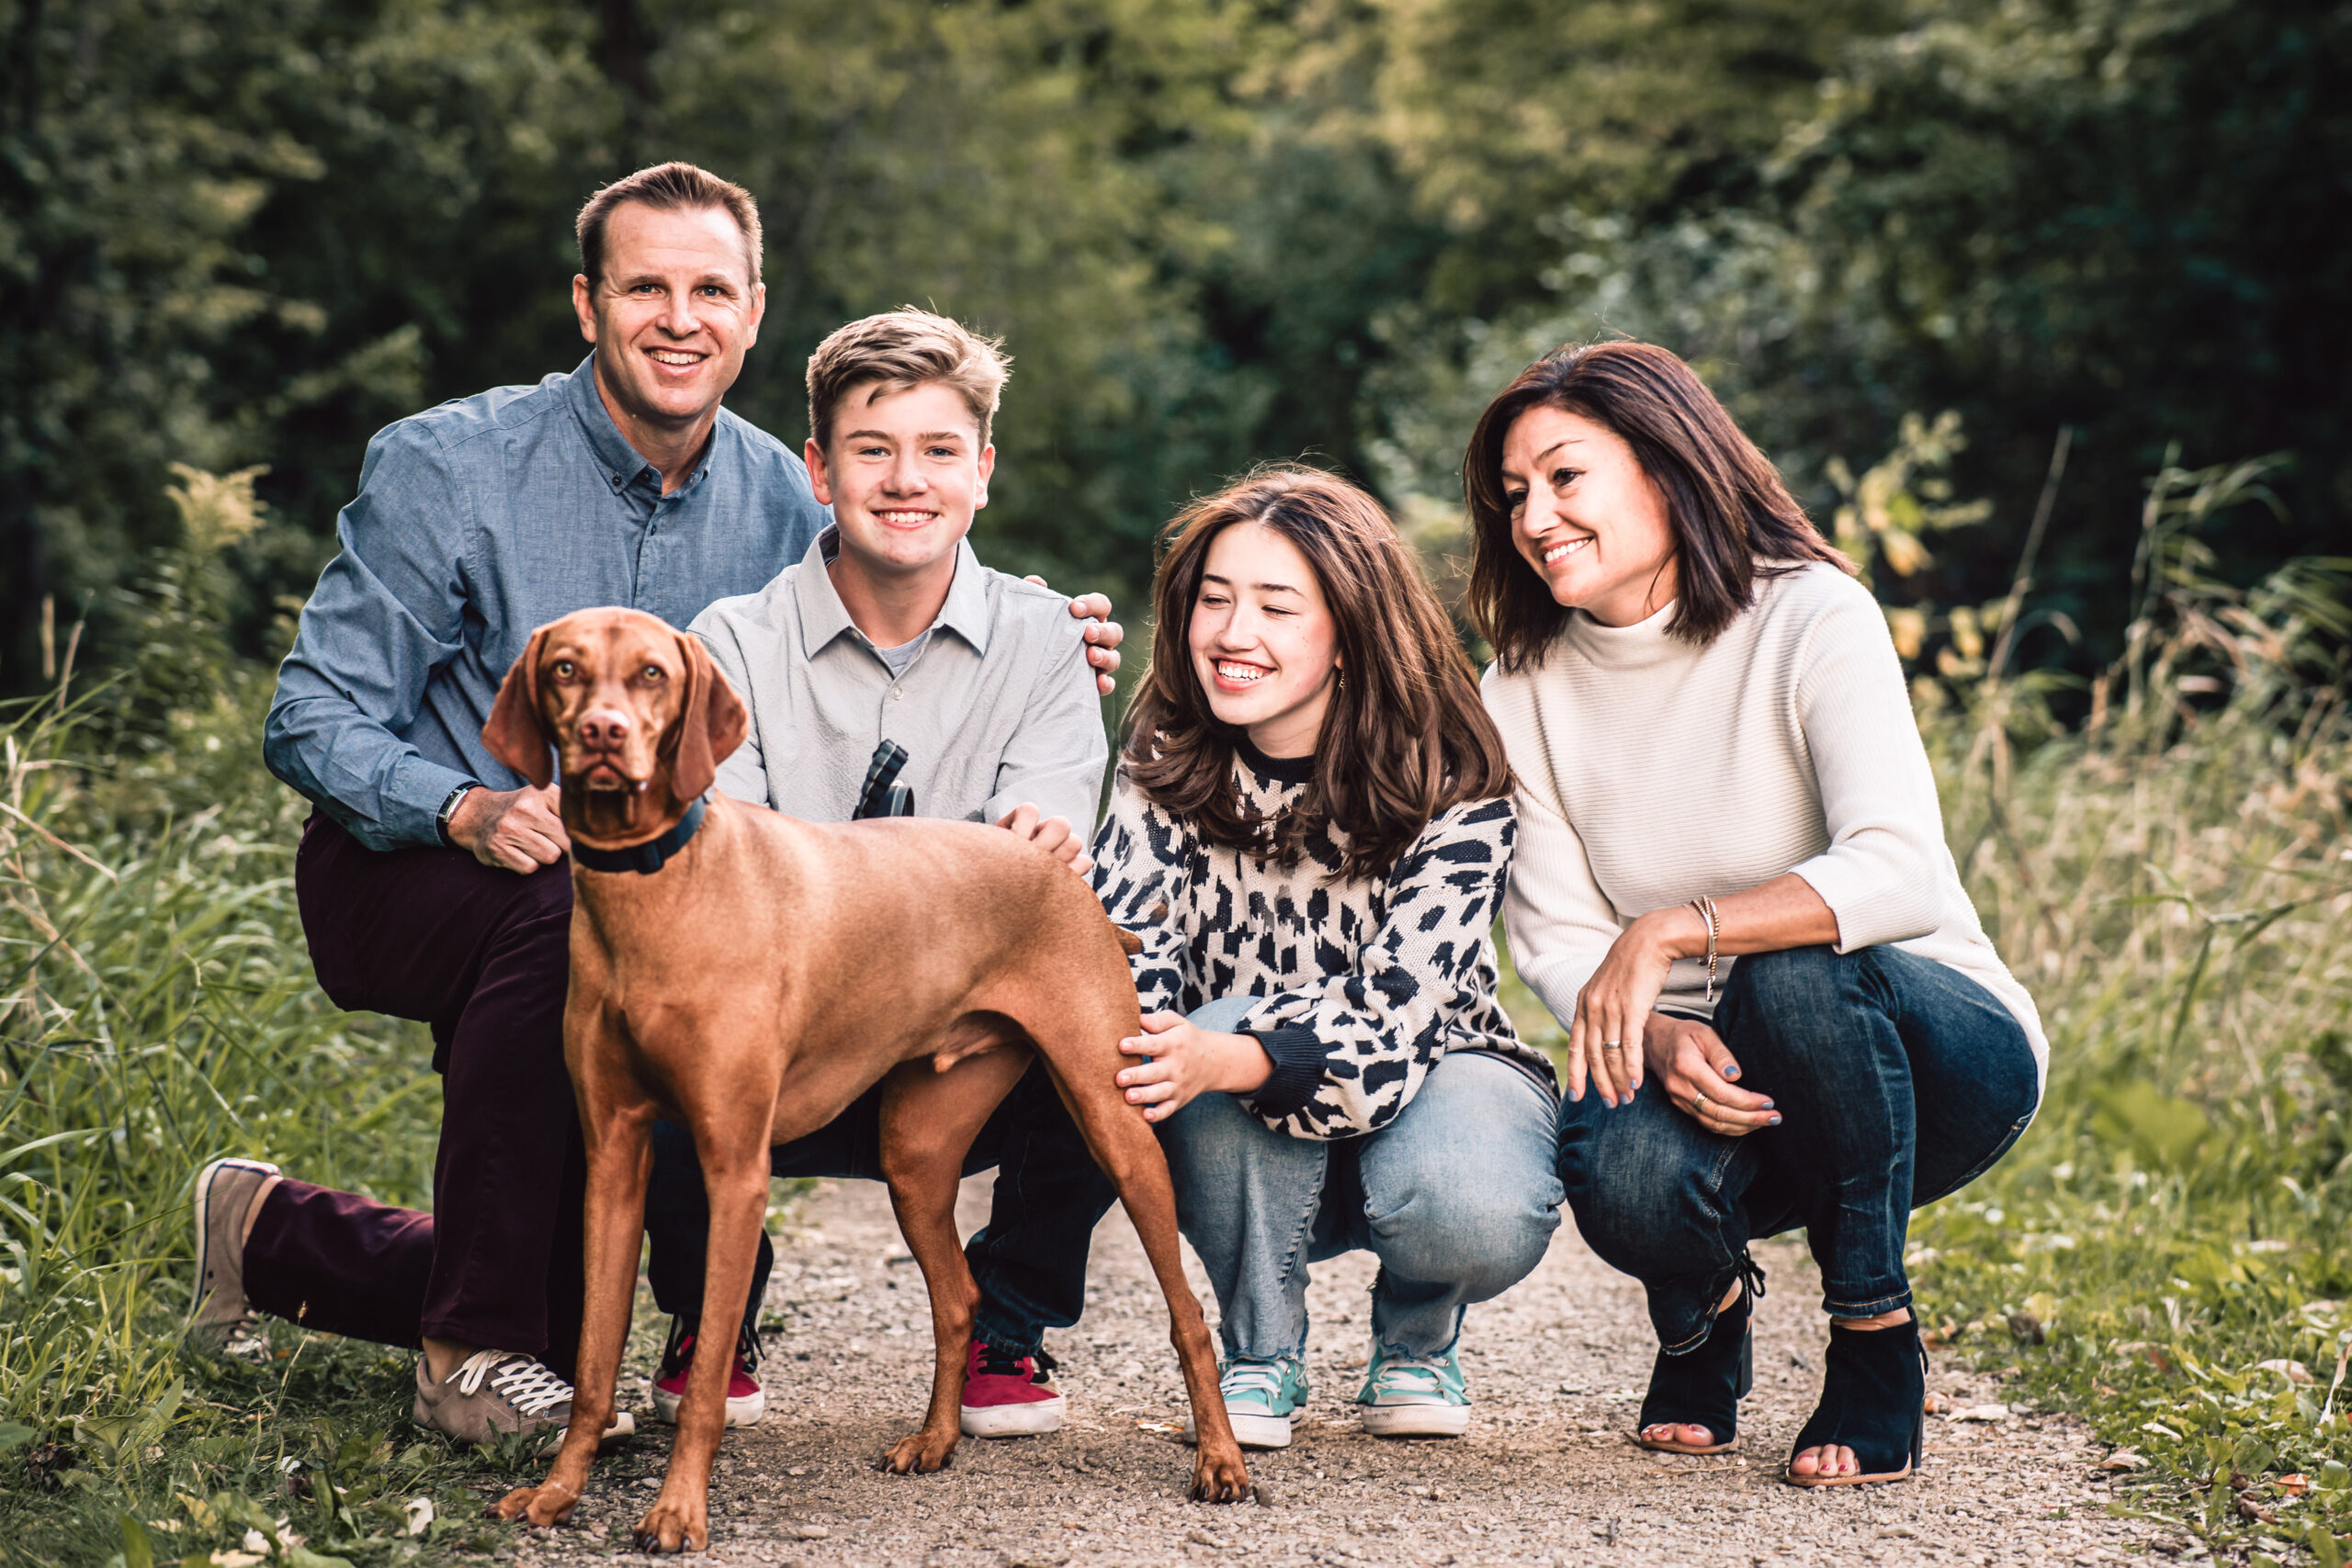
x=1311, y=829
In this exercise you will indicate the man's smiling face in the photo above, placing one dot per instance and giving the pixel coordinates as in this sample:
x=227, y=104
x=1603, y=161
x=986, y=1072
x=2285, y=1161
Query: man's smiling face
x=673, y=314
x=903, y=472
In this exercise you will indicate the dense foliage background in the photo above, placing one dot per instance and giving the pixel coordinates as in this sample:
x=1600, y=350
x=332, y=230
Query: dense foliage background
x=252, y=232
x=2042, y=304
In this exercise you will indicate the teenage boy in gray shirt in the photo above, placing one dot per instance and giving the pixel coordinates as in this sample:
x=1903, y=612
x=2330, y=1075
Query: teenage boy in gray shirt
x=889, y=629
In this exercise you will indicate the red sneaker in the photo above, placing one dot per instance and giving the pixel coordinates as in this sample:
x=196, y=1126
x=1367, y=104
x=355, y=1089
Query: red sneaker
x=1006, y=1395
x=746, y=1401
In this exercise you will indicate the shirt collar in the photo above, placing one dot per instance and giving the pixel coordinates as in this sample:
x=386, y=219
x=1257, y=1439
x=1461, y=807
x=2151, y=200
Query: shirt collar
x=823, y=616
x=621, y=462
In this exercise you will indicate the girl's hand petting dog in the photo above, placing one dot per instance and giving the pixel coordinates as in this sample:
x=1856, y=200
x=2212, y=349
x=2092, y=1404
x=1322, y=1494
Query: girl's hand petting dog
x=1184, y=1061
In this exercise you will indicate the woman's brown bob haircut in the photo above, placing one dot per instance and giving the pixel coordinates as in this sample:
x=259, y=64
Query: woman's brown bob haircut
x=667, y=188
x=1405, y=737
x=1734, y=520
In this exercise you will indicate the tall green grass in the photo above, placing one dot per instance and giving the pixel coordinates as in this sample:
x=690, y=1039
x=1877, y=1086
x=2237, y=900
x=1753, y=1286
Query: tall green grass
x=157, y=1009
x=2169, y=1249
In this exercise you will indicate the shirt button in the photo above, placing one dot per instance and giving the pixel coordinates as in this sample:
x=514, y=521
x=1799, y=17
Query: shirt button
x=896, y=694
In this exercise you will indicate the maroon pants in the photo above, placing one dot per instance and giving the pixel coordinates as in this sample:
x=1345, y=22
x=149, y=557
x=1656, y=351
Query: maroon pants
x=483, y=956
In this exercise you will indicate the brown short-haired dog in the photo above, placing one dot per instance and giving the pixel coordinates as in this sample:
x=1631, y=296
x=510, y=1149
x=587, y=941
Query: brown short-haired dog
x=762, y=975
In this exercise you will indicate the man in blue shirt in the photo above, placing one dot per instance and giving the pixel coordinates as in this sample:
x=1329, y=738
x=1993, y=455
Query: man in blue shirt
x=432, y=880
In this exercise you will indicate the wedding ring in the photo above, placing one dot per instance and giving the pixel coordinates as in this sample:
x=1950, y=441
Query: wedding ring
x=1700, y=1096
x=1613, y=1045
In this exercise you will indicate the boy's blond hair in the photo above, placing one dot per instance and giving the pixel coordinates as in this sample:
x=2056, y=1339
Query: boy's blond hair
x=901, y=349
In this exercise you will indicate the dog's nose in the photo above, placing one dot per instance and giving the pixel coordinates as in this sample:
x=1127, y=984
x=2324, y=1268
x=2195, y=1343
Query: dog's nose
x=603, y=726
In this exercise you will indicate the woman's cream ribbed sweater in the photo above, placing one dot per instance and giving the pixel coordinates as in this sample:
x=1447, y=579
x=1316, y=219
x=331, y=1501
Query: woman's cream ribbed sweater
x=1652, y=771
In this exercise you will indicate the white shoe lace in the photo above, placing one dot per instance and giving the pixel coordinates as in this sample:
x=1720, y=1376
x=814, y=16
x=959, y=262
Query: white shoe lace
x=1411, y=1376
x=529, y=1387
x=1243, y=1378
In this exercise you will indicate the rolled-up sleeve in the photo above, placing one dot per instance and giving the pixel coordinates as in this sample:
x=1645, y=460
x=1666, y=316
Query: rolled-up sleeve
x=388, y=613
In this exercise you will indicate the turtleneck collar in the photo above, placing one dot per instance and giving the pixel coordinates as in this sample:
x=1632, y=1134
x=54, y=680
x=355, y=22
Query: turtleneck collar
x=1645, y=642
x=1273, y=770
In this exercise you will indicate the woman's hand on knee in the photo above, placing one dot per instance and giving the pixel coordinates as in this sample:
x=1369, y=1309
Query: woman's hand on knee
x=1696, y=1069
x=1605, y=1036
x=1186, y=1061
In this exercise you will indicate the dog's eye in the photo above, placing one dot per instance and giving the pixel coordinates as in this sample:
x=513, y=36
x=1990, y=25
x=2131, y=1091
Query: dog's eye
x=655, y=673
x=564, y=670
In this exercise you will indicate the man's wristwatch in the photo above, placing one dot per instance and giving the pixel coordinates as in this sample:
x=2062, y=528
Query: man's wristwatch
x=450, y=809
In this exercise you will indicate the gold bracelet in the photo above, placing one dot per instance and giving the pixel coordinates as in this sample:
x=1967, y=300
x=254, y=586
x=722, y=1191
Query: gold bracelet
x=1706, y=908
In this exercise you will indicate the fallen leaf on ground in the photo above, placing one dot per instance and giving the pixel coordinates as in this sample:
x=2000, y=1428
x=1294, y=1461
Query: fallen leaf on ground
x=1982, y=1413
x=1937, y=1404
x=420, y=1515
x=2294, y=1484
x=1157, y=1427
x=2293, y=1371
x=2123, y=1459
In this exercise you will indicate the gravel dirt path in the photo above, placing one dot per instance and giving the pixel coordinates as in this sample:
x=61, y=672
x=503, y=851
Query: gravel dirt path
x=1544, y=1476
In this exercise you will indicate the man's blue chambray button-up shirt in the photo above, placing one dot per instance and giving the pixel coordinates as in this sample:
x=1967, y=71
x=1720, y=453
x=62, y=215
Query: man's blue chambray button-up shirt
x=475, y=522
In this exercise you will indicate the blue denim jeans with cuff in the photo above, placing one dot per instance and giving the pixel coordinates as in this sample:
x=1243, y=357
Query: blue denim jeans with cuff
x=1456, y=1196
x=1899, y=1080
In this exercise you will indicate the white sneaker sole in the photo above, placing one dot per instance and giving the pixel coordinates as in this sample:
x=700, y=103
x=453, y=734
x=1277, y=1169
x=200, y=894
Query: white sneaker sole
x=1414, y=1420
x=623, y=1425
x=744, y=1412
x=1251, y=1431
x=1032, y=1418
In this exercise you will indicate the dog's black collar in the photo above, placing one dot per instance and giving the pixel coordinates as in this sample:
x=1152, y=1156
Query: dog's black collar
x=648, y=857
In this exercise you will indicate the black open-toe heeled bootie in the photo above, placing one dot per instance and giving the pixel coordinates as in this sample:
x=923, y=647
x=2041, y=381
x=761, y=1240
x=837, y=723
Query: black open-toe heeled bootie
x=1703, y=1387
x=1873, y=1401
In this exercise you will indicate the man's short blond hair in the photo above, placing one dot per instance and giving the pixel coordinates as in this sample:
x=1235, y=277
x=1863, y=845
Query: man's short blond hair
x=903, y=349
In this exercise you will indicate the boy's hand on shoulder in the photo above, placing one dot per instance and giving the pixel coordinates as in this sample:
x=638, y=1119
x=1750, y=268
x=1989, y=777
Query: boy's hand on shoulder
x=1052, y=834
x=1102, y=635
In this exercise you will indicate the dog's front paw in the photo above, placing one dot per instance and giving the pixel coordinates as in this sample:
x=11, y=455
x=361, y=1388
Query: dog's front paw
x=925, y=1451
x=545, y=1506
x=1219, y=1475
x=673, y=1524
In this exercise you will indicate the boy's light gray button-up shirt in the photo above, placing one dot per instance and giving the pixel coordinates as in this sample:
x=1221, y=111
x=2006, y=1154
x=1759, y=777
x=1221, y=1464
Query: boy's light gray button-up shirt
x=998, y=710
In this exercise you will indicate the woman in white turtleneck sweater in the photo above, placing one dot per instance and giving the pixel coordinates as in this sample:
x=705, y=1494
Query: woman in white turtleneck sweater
x=1732, y=887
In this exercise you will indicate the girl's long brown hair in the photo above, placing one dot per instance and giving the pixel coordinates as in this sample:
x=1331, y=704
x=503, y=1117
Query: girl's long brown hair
x=1405, y=737
x=1734, y=520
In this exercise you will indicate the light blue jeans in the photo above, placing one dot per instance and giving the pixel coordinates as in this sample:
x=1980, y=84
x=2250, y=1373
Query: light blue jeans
x=1457, y=1196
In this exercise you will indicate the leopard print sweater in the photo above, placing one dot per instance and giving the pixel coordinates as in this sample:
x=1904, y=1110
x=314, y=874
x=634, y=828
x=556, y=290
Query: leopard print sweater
x=1365, y=984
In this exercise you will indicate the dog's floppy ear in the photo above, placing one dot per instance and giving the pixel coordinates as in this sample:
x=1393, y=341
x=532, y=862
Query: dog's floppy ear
x=712, y=725
x=515, y=734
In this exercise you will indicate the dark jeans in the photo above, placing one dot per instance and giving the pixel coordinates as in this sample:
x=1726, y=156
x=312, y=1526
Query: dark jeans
x=483, y=957
x=1899, y=1080
x=1029, y=1260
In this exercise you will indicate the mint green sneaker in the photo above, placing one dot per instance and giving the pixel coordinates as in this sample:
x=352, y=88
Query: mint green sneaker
x=1261, y=1399
x=1414, y=1396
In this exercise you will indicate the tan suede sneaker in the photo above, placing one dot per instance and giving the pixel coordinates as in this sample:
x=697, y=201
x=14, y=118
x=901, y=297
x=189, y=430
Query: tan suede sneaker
x=226, y=1190
x=500, y=1391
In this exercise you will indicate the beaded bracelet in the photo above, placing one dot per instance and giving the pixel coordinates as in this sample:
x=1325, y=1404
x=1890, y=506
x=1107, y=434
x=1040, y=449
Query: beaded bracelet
x=1706, y=908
